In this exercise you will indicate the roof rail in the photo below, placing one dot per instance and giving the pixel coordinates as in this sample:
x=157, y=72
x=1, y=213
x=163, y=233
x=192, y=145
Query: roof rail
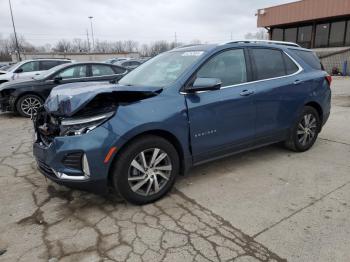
x=183, y=46
x=264, y=41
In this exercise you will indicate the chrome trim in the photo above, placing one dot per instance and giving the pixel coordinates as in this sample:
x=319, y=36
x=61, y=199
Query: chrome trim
x=300, y=69
x=64, y=176
x=79, y=121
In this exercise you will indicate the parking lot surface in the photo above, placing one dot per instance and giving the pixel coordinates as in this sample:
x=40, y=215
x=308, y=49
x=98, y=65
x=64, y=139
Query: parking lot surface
x=265, y=205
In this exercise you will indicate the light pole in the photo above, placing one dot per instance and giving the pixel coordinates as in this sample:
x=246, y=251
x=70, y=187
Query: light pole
x=14, y=31
x=92, y=33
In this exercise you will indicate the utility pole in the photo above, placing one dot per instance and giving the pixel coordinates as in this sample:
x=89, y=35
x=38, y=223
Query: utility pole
x=92, y=33
x=88, y=40
x=14, y=31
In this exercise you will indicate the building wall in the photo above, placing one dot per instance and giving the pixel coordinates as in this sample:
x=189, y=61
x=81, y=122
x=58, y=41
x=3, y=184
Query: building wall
x=79, y=57
x=305, y=10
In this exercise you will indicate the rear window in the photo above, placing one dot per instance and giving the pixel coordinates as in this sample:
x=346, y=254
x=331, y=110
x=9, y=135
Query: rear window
x=309, y=58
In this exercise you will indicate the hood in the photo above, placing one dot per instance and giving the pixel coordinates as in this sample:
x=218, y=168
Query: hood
x=18, y=83
x=66, y=100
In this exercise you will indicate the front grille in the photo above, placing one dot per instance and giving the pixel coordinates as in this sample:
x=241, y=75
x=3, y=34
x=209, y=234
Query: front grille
x=45, y=169
x=73, y=160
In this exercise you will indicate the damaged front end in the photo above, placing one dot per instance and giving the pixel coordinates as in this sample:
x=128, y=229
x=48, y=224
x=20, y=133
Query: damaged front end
x=67, y=148
x=75, y=111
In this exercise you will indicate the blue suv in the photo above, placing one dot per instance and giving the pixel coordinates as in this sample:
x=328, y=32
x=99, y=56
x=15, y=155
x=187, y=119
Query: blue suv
x=182, y=108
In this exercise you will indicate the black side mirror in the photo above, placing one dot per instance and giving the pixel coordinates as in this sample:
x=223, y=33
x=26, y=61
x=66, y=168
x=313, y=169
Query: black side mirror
x=57, y=79
x=204, y=84
x=19, y=70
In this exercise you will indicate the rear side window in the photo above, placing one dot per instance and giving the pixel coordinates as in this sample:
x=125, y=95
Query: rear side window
x=309, y=58
x=101, y=70
x=46, y=65
x=269, y=63
x=118, y=70
x=228, y=66
x=291, y=67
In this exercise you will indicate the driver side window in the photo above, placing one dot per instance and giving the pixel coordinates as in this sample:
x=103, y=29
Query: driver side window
x=73, y=72
x=228, y=66
x=30, y=67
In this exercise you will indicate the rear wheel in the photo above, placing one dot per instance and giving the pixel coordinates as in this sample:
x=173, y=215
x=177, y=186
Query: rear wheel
x=305, y=131
x=146, y=169
x=28, y=105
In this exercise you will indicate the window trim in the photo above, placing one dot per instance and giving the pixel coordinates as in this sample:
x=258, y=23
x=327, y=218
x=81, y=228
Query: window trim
x=248, y=64
x=300, y=69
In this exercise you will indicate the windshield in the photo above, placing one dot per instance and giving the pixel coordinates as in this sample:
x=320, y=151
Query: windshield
x=47, y=73
x=162, y=70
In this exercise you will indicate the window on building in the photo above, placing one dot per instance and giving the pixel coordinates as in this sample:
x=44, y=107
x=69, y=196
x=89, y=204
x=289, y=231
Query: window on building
x=290, y=35
x=322, y=33
x=274, y=68
x=304, y=36
x=277, y=34
x=347, y=34
x=337, y=34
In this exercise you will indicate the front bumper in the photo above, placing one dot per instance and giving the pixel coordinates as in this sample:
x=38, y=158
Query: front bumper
x=5, y=104
x=94, y=146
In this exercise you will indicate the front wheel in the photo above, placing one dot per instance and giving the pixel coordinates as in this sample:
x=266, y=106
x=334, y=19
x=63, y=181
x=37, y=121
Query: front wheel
x=28, y=105
x=146, y=169
x=305, y=131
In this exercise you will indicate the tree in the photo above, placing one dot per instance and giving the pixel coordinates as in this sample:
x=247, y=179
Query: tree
x=260, y=35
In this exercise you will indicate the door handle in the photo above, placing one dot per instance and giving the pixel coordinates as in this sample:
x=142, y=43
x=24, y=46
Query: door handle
x=247, y=92
x=297, y=82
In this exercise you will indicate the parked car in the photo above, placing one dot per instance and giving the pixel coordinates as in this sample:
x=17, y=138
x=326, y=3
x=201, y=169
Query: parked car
x=180, y=109
x=26, y=96
x=29, y=68
x=129, y=64
x=115, y=60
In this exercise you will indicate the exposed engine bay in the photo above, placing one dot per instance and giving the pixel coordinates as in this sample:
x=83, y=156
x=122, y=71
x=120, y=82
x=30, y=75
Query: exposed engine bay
x=62, y=116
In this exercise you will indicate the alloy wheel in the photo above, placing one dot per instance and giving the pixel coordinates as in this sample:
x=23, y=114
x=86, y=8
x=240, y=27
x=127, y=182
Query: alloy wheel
x=30, y=105
x=149, y=172
x=307, y=129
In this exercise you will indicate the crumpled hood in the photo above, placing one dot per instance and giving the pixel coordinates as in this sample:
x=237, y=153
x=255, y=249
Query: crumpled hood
x=66, y=100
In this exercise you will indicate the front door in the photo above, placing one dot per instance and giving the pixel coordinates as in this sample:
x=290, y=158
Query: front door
x=222, y=121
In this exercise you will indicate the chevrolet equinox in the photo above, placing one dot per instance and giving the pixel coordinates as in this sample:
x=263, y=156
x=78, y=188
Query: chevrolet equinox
x=182, y=108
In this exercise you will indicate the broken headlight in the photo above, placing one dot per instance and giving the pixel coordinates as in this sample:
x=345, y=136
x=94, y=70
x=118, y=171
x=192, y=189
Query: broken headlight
x=79, y=126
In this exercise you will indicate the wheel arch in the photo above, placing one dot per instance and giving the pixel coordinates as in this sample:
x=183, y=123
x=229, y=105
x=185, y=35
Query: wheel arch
x=156, y=132
x=318, y=108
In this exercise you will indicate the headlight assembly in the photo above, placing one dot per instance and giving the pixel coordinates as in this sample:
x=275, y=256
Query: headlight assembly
x=79, y=126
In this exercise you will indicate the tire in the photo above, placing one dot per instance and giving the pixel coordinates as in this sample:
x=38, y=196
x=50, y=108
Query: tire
x=305, y=131
x=27, y=104
x=136, y=180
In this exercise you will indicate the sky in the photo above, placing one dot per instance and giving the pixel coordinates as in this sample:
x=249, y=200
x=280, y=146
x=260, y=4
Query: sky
x=145, y=21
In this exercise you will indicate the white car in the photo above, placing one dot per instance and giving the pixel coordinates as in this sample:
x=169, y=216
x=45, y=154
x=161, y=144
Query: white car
x=29, y=68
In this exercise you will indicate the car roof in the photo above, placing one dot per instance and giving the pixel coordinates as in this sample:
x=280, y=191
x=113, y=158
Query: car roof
x=241, y=43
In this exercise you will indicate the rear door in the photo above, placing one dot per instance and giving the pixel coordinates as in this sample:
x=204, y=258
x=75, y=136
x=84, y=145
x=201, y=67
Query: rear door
x=275, y=75
x=222, y=121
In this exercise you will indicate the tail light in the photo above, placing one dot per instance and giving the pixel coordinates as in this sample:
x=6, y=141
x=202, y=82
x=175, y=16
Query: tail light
x=329, y=80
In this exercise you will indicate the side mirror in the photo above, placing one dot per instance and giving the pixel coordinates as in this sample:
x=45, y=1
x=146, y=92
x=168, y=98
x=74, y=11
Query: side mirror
x=57, y=79
x=204, y=84
x=19, y=70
